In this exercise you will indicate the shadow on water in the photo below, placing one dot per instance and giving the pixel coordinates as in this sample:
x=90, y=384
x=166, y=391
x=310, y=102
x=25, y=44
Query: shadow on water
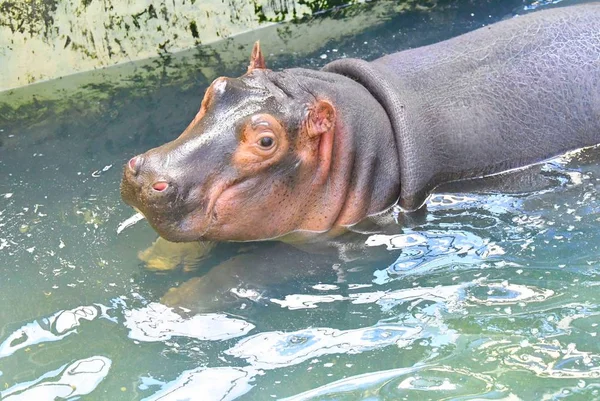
x=490, y=294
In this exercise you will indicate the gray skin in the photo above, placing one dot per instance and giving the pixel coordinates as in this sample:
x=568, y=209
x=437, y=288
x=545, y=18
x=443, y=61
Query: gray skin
x=498, y=98
x=502, y=97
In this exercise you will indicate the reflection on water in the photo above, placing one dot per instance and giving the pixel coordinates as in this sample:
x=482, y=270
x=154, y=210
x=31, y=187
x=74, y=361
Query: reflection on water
x=506, y=294
x=446, y=295
x=157, y=322
x=424, y=382
x=492, y=294
x=54, y=328
x=77, y=379
x=549, y=359
x=218, y=384
x=273, y=350
x=420, y=252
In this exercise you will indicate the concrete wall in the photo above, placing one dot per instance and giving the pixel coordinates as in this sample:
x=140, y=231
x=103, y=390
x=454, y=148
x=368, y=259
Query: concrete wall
x=42, y=39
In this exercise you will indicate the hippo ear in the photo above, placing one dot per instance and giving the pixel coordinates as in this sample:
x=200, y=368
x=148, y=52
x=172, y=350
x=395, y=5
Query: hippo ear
x=321, y=118
x=257, y=61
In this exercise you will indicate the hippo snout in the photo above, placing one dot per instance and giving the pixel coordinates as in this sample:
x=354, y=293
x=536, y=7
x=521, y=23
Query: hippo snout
x=148, y=186
x=156, y=185
x=138, y=173
x=146, y=181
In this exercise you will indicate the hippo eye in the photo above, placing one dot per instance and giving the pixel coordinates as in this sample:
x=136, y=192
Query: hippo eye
x=266, y=142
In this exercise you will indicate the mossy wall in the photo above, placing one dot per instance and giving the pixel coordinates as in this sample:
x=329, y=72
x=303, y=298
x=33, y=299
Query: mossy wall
x=43, y=39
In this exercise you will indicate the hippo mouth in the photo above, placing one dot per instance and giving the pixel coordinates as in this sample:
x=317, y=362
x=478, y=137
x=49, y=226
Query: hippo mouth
x=176, y=214
x=167, y=211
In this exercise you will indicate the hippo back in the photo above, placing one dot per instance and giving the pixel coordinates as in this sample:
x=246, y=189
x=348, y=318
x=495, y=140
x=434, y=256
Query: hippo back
x=501, y=97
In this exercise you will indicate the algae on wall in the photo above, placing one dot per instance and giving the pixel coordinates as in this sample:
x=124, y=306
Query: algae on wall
x=42, y=39
x=130, y=93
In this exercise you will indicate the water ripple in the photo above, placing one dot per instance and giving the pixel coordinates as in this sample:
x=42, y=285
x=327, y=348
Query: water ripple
x=424, y=252
x=157, y=322
x=449, y=295
x=452, y=297
x=53, y=328
x=207, y=384
x=491, y=294
x=270, y=350
x=419, y=382
x=77, y=379
x=550, y=358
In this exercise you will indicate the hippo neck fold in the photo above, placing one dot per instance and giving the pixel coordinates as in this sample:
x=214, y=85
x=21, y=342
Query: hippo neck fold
x=364, y=173
x=413, y=151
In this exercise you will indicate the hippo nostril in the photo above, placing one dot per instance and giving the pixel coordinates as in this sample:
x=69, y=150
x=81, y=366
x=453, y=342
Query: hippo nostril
x=134, y=163
x=160, y=186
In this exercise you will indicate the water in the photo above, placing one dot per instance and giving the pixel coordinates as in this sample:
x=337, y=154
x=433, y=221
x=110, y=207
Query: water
x=487, y=296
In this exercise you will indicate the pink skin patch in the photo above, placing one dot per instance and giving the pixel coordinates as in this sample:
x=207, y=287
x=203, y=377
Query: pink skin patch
x=160, y=186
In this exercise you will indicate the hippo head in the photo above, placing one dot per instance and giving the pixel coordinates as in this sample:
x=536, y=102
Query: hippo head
x=251, y=165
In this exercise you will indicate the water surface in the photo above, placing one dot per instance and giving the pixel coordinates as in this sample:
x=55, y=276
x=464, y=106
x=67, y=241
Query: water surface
x=487, y=296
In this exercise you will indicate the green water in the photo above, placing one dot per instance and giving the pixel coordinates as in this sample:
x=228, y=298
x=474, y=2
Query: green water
x=488, y=296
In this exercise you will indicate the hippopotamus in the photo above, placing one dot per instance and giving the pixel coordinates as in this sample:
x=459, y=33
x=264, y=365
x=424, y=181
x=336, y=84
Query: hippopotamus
x=278, y=154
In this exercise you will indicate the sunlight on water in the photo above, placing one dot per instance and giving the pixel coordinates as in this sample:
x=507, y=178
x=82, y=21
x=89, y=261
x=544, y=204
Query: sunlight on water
x=437, y=383
x=277, y=349
x=157, y=322
x=490, y=295
x=78, y=379
x=222, y=384
x=54, y=328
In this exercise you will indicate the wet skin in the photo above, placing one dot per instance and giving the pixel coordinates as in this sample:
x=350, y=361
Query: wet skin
x=295, y=152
